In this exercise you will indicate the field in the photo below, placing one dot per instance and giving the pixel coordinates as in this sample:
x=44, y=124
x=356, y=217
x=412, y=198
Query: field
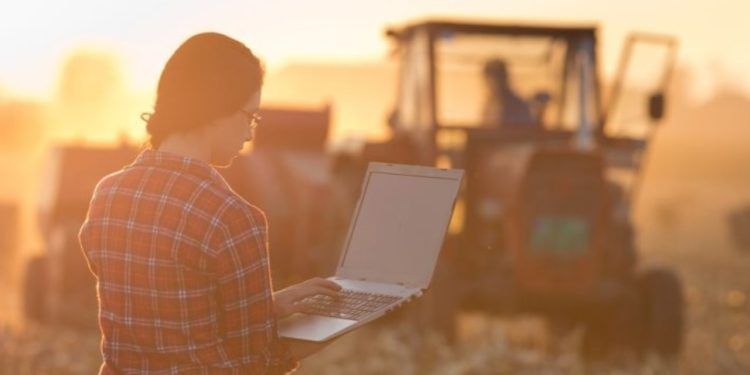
x=681, y=228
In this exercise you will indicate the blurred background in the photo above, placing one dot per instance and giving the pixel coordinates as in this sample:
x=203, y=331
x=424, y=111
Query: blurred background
x=604, y=224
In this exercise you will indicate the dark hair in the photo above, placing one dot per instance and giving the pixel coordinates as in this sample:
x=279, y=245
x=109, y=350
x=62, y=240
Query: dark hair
x=209, y=76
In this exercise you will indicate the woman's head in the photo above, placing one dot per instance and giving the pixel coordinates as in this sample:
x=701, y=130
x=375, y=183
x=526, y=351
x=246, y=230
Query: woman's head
x=208, y=78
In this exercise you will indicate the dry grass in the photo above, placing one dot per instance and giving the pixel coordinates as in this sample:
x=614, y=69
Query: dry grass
x=42, y=350
x=690, y=237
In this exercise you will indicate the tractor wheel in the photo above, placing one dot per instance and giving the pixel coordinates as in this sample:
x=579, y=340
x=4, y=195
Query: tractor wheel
x=35, y=289
x=612, y=333
x=664, y=313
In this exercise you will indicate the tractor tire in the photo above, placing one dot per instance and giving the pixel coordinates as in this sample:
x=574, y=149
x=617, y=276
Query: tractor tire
x=613, y=332
x=663, y=330
x=35, y=289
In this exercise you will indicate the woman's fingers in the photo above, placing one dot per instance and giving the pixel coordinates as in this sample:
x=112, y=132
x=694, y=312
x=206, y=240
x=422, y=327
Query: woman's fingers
x=315, y=286
x=325, y=283
x=287, y=299
x=311, y=290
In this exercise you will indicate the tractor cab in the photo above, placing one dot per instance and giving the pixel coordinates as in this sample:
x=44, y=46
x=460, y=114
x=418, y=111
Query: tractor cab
x=462, y=78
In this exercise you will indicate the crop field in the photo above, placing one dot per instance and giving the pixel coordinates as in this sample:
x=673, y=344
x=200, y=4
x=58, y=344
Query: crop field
x=685, y=232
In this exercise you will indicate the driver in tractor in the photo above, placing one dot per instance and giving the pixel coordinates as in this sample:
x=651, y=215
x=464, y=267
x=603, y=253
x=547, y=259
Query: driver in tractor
x=504, y=107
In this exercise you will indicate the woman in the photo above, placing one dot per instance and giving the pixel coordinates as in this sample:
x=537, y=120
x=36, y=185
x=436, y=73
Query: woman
x=181, y=260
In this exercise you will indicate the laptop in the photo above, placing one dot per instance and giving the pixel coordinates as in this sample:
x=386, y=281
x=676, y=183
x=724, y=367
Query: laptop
x=390, y=252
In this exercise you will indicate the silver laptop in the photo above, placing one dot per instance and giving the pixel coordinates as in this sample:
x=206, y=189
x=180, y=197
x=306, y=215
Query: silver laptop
x=390, y=252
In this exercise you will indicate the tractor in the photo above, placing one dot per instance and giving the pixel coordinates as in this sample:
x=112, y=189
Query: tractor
x=543, y=224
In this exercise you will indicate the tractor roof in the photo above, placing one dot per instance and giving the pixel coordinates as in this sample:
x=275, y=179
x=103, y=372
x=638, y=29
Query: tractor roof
x=494, y=27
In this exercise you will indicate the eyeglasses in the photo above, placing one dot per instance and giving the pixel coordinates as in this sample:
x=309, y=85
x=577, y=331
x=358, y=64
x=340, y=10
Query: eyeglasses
x=252, y=118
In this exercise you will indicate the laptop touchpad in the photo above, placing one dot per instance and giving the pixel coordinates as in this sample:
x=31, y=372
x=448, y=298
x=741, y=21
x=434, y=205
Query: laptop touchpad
x=312, y=327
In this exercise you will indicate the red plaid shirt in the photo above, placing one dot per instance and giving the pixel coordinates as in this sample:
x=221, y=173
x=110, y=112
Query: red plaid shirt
x=183, y=276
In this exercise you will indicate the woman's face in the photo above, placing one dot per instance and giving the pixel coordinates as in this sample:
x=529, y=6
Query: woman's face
x=228, y=135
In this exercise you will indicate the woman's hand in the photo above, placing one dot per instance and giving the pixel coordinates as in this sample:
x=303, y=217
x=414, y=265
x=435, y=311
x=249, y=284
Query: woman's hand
x=285, y=300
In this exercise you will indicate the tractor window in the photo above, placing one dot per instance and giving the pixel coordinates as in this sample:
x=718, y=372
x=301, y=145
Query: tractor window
x=500, y=80
x=414, y=93
x=648, y=62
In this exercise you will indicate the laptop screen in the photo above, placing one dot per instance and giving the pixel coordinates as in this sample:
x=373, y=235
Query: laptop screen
x=398, y=228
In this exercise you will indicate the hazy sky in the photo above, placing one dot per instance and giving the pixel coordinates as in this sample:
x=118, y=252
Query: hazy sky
x=36, y=36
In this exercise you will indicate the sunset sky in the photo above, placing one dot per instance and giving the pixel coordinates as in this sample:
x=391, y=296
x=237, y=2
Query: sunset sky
x=37, y=36
x=331, y=52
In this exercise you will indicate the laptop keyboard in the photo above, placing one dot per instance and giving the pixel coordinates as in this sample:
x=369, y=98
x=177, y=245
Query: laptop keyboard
x=349, y=304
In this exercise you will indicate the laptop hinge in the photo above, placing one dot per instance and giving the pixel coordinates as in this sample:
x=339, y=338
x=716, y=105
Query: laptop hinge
x=364, y=279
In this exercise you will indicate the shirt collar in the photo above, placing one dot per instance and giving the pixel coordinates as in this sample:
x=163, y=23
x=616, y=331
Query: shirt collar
x=179, y=163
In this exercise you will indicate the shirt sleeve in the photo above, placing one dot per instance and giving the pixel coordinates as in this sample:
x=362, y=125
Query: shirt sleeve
x=245, y=297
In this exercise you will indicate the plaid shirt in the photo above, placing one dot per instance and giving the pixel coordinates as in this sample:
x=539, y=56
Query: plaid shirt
x=183, y=276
